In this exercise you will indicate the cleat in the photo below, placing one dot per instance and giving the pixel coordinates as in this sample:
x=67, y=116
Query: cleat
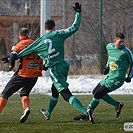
x=25, y=115
x=118, y=109
x=43, y=112
x=91, y=117
x=81, y=117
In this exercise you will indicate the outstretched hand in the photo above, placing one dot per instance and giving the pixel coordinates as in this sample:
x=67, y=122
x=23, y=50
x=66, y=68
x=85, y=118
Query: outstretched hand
x=128, y=79
x=106, y=71
x=10, y=68
x=5, y=59
x=77, y=7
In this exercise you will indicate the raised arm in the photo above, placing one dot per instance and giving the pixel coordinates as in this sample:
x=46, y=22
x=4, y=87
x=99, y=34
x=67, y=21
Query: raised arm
x=75, y=26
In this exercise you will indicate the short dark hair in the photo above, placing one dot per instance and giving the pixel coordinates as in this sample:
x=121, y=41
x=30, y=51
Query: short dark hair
x=24, y=32
x=119, y=35
x=49, y=24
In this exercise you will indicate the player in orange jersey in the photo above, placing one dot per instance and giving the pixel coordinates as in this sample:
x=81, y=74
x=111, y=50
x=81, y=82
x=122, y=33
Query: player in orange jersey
x=29, y=69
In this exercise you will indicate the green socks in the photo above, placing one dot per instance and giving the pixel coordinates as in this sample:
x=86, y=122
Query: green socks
x=52, y=104
x=94, y=103
x=78, y=105
x=109, y=100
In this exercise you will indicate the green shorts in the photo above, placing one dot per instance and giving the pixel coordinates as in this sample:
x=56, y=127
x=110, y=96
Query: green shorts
x=112, y=84
x=58, y=74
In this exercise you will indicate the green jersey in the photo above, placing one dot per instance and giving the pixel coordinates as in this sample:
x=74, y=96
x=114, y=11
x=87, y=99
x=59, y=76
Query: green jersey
x=50, y=47
x=119, y=60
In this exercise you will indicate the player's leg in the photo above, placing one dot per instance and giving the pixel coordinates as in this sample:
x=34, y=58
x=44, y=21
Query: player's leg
x=66, y=94
x=101, y=93
x=3, y=102
x=110, y=100
x=113, y=85
x=25, y=102
x=98, y=92
x=59, y=75
x=118, y=105
x=14, y=84
x=26, y=108
x=24, y=94
x=52, y=103
x=28, y=84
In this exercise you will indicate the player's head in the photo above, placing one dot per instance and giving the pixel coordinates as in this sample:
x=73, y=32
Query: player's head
x=49, y=24
x=23, y=32
x=119, y=35
x=119, y=40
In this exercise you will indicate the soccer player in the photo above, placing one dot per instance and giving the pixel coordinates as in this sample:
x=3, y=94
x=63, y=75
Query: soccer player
x=50, y=47
x=120, y=58
x=29, y=69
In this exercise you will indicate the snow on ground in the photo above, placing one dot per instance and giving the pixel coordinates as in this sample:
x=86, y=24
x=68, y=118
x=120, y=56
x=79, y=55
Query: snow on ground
x=80, y=84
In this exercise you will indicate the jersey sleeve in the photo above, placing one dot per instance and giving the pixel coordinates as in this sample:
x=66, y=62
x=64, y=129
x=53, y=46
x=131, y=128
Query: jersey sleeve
x=65, y=33
x=30, y=49
x=18, y=47
x=107, y=48
x=130, y=58
x=132, y=72
x=38, y=44
x=15, y=50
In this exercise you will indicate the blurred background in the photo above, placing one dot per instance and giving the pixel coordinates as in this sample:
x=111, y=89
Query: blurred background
x=85, y=50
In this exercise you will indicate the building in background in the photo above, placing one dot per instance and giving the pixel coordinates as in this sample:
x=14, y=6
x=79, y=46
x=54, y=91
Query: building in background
x=19, y=14
x=83, y=48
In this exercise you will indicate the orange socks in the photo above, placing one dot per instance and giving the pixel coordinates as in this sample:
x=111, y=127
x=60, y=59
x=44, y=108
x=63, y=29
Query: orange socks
x=3, y=103
x=25, y=102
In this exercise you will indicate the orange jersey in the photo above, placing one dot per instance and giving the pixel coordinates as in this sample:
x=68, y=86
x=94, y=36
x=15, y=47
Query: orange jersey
x=30, y=66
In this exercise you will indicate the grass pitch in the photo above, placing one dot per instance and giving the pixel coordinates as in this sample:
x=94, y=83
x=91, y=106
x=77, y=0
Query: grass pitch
x=61, y=118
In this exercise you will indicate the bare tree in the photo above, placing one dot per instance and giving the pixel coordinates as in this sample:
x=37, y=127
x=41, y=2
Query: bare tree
x=85, y=43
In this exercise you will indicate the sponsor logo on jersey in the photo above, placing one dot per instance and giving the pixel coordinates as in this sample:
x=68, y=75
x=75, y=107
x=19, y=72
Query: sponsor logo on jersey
x=34, y=65
x=113, y=66
x=114, y=58
x=53, y=55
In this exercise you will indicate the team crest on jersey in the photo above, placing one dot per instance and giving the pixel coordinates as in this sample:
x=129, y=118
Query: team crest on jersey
x=34, y=65
x=113, y=66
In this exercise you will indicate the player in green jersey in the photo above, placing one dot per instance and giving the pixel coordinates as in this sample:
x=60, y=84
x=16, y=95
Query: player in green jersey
x=50, y=47
x=120, y=58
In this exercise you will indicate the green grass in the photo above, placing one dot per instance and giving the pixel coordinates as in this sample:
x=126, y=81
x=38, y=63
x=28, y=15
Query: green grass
x=61, y=118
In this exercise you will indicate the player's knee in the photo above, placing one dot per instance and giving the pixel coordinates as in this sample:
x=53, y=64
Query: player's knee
x=66, y=98
x=96, y=89
x=55, y=95
x=97, y=95
x=24, y=94
x=66, y=94
x=4, y=95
